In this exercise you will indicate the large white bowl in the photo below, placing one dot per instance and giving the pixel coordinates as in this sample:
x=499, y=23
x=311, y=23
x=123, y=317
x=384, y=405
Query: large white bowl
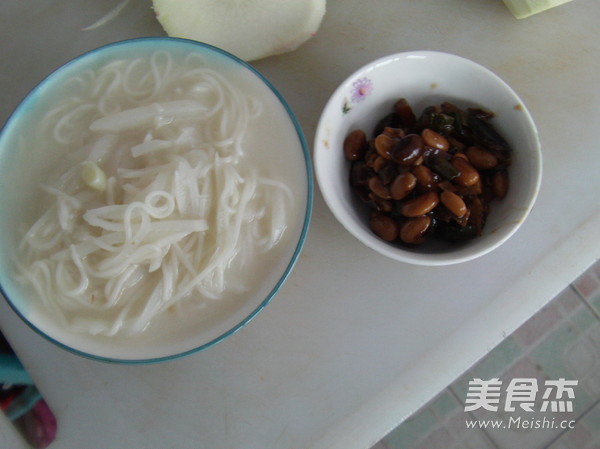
x=22, y=167
x=426, y=78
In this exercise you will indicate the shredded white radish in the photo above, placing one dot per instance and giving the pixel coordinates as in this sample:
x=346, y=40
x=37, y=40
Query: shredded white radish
x=112, y=14
x=182, y=207
x=146, y=116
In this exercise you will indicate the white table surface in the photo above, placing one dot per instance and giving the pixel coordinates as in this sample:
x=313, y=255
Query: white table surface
x=354, y=342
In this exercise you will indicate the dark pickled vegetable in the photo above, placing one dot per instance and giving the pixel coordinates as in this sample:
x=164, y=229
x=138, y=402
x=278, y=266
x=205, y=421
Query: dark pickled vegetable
x=442, y=123
x=443, y=167
x=456, y=233
x=405, y=114
x=486, y=136
x=392, y=120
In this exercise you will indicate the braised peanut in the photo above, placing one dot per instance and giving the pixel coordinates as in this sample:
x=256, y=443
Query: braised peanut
x=387, y=172
x=393, y=132
x=381, y=204
x=435, y=140
x=402, y=185
x=477, y=188
x=407, y=150
x=413, y=230
x=376, y=185
x=384, y=144
x=429, y=177
x=500, y=184
x=420, y=205
x=461, y=156
x=426, y=179
x=385, y=227
x=468, y=174
x=355, y=145
x=454, y=203
x=480, y=158
x=379, y=164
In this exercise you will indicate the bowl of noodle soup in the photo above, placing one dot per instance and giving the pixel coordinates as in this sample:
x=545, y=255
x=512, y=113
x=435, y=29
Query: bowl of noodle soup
x=156, y=194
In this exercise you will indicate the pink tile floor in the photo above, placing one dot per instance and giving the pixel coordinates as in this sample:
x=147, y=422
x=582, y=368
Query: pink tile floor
x=562, y=341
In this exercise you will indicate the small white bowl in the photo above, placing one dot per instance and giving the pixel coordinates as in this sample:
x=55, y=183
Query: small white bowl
x=23, y=166
x=426, y=78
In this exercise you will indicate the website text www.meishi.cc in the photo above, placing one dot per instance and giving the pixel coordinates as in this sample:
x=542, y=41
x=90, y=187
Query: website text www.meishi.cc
x=552, y=398
x=520, y=423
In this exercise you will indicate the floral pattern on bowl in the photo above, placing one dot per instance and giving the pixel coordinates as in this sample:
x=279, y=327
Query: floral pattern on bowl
x=361, y=88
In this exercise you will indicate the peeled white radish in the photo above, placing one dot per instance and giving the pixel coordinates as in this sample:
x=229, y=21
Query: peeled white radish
x=526, y=8
x=250, y=29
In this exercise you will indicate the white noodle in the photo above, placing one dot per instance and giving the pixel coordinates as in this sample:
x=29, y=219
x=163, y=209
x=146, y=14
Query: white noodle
x=183, y=206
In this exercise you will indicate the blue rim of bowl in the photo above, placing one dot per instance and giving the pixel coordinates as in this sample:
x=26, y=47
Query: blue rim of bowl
x=301, y=238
